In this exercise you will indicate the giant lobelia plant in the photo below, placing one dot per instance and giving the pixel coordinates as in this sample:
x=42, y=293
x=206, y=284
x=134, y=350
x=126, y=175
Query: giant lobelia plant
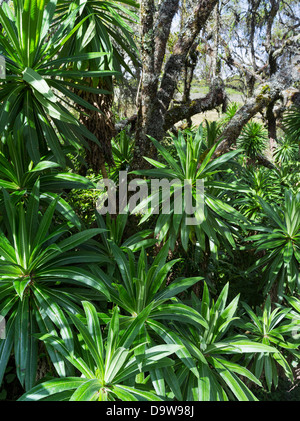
x=141, y=282
x=106, y=362
x=280, y=241
x=269, y=326
x=217, y=219
x=18, y=176
x=36, y=87
x=208, y=370
x=106, y=28
x=38, y=261
x=19, y=173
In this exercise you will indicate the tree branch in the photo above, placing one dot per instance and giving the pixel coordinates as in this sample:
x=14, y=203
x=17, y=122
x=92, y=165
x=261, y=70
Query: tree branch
x=231, y=61
x=155, y=102
x=215, y=97
x=162, y=29
x=265, y=94
x=187, y=36
x=287, y=44
x=176, y=62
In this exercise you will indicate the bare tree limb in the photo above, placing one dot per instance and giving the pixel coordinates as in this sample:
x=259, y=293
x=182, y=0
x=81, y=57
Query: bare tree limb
x=154, y=100
x=162, y=29
x=265, y=94
x=231, y=61
x=288, y=43
x=194, y=24
x=186, y=110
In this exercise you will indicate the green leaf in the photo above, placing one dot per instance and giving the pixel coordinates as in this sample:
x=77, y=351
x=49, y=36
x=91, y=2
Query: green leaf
x=32, y=211
x=21, y=342
x=51, y=387
x=179, y=312
x=288, y=252
x=76, y=276
x=20, y=285
x=9, y=29
x=177, y=286
x=171, y=338
x=38, y=83
x=134, y=328
x=93, y=326
x=32, y=356
x=57, y=316
x=138, y=394
x=239, y=389
x=115, y=364
x=77, y=239
x=86, y=391
x=88, y=339
x=7, y=344
x=45, y=223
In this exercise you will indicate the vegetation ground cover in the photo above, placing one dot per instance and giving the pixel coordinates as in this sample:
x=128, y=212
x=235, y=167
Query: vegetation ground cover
x=133, y=306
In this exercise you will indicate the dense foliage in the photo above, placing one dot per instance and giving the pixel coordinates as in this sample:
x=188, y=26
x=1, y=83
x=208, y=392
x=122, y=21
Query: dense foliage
x=135, y=307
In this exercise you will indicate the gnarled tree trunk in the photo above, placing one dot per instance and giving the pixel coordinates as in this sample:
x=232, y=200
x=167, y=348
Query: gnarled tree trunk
x=157, y=92
x=101, y=125
x=266, y=94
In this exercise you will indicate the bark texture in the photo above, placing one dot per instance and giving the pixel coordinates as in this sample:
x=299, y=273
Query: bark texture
x=149, y=81
x=272, y=62
x=215, y=97
x=101, y=124
x=162, y=30
x=157, y=91
x=266, y=94
x=189, y=69
x=175, y=64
